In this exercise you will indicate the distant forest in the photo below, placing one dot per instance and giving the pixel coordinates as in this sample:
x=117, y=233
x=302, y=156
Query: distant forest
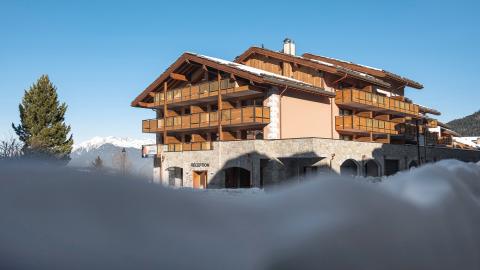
x=468, y=125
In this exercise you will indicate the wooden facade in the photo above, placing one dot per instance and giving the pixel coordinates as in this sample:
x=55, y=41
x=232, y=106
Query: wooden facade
x=199, y=99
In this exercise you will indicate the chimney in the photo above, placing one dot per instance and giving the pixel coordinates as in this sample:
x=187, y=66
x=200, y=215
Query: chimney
x=288, y=46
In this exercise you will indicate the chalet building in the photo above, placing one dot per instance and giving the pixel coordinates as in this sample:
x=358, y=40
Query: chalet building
x=269, y=116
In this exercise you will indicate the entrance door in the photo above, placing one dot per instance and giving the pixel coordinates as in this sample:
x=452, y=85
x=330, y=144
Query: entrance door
x=200, y=179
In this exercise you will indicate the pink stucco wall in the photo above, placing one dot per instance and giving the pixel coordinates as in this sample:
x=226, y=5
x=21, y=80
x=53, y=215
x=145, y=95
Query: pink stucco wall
x=306, y=115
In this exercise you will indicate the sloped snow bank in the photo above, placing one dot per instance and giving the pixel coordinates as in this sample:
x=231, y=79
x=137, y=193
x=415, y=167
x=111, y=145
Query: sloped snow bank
x=426, y=218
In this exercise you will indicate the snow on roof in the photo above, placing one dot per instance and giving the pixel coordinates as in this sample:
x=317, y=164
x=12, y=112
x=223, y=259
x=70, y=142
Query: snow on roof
x=428, y=109
x=320, y=62
x=470, y=141
x=373, y=68
x=255, y=71
x=341, y=68
x=352, y=63
x=447, y=130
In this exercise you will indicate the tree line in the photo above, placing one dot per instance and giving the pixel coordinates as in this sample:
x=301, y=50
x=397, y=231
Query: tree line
x=468, y=125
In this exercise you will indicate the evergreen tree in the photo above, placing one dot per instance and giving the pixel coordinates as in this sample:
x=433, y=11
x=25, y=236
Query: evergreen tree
x=97, y=164
x=42, y=129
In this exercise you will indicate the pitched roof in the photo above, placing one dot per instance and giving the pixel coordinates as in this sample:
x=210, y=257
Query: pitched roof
x=243, y=71
x=313, y=63
x=377, y=72
x=426, y=109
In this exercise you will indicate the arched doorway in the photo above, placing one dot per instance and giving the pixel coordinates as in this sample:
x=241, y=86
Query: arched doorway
x=372, y=169
x=413, y=164
x=175, y=176
x=236, y=177
x=349, y=168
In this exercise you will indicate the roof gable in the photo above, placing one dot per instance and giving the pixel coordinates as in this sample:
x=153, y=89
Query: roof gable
x=237, y=69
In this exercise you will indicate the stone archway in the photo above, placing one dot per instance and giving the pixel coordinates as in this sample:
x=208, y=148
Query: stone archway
x=372, y=168
x=412, y=164
x=349, y=168
x=237, y=177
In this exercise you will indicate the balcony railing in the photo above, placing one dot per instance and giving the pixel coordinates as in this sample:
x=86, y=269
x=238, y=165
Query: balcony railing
x=250, y=115
x=200, y=91
x=366, y=100
x=446, y=140
x=432, y=123
x=357, y=124
x=193, y=146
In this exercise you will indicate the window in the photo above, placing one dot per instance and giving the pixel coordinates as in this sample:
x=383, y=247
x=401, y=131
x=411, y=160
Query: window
x=345, y=112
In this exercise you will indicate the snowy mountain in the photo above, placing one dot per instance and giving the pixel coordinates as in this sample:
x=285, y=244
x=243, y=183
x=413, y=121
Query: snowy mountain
x=96, y=142
x=109, y=149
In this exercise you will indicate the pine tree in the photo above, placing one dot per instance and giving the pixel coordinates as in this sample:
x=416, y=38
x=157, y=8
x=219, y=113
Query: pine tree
x=97, y=164
x=42, y=129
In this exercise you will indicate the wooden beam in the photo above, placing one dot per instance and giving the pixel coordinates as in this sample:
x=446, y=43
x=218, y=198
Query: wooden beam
x=220, y=130
x=146, y=104
x=178, y=77
x=152, y=94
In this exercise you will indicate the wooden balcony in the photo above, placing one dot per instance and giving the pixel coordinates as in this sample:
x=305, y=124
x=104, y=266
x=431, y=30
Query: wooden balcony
x=193, y=146
x=432, y=123
x=445, y=140
x=245, y=117
x=354, y=98
x=357, y=124
x=203, y=92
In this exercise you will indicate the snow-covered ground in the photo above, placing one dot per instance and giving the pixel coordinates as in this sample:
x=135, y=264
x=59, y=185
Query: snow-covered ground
x=425, y=218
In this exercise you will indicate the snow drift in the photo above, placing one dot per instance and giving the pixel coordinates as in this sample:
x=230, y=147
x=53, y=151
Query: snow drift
x=426, y=218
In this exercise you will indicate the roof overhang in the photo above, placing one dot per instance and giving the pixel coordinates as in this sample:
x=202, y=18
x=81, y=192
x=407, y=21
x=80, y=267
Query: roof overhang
x=428, y=110
x=326, y=67
x=252, y=74
x=369, y=70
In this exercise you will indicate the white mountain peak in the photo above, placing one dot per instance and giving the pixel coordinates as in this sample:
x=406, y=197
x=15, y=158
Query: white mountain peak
x=126, y=142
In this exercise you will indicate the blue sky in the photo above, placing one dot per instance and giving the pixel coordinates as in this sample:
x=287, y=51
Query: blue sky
x=100, y=55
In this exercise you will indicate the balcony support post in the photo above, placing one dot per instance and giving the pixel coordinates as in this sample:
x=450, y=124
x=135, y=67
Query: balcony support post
x=220, y=131
x=165, y=113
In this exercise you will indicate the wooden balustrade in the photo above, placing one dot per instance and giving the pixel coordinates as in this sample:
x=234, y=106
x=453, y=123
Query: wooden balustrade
x=365, y=100
x=193, y=146
x=357, y=124
x=432, y=123
x=250, y=115
x=446, y=140
x=201, y=91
